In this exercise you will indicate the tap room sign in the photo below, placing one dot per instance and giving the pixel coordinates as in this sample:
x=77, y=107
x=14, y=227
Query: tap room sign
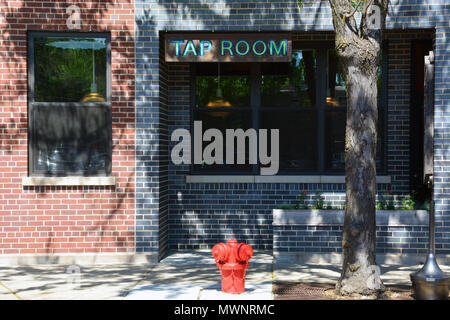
x=237, y=47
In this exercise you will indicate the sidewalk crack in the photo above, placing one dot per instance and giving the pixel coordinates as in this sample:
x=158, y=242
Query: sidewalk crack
x=12, y=292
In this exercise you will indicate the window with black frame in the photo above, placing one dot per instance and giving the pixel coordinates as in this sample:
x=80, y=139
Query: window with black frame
x=288, y=103
x=305, y=99
x=69, y=104
x=222, y=101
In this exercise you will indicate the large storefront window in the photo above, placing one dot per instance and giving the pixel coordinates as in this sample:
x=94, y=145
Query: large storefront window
x=288, y=103
x=305, y=99
x=223, y=102
x=69, y=104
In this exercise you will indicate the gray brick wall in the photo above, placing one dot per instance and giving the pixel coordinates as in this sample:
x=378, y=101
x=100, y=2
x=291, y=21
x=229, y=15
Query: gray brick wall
x=399, y=102
x=163, y=156
x=325, y=239
x=201, y=214
x=442, y=135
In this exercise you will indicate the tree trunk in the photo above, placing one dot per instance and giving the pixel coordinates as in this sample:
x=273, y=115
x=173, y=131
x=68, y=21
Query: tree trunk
x=358, y=50
x=359, y=271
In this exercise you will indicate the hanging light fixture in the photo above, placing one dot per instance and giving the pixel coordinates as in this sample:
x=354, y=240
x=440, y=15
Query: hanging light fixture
x=331, y=100
x=93, y=96
x=219, y=101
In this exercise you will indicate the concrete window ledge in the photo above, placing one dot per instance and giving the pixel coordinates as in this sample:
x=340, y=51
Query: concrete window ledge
x=336, y=217
x=272, y=179
x=68, y=181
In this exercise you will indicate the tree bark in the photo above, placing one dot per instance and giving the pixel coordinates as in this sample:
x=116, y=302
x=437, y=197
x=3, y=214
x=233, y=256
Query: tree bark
x=358, y=49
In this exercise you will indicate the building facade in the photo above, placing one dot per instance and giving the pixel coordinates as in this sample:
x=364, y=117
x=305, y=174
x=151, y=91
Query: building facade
x=63, y=194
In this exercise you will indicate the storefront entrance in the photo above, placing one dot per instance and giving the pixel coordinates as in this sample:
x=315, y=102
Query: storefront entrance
x=419, y=50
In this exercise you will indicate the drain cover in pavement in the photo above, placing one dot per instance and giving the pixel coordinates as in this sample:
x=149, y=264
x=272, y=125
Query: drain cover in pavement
x=301, y=291
x=325, y=291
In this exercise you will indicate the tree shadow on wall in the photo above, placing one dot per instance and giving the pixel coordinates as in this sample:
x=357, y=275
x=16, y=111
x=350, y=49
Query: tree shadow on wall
x=50, y=210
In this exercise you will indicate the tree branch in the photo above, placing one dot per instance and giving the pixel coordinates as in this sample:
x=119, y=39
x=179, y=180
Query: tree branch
x=354, y=11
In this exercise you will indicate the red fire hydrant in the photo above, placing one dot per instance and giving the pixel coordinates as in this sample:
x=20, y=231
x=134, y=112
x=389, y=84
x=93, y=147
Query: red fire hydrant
x=232, y=261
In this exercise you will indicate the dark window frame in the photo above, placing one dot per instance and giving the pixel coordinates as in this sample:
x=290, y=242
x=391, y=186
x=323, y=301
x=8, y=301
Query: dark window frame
x=33, y=105
x=321, y=49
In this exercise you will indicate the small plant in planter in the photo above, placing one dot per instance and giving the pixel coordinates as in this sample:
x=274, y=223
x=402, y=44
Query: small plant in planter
x=319, y=201
x=386, y=201
x=408, y=203
x=321, y=204
x=301, y=203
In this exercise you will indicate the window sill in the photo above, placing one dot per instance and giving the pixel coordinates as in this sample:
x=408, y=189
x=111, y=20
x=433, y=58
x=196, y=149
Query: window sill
x=68, y=181
x=272, y=179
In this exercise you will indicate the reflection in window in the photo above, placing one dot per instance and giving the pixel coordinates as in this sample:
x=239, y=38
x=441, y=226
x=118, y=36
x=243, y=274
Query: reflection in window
x=288, y=98
x=336, y=94
x=69, y=69
x=223, y=102
x=335, y=115
x=70, y=122
x=283, y=96
x=70, y=140
x=233, y=89
x=298, y=141
x=222, y=85
x=335, y=139
x=221, y=121
x=296, y=88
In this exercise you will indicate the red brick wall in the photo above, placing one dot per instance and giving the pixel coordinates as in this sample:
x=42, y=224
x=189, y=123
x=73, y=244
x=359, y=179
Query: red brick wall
x=72, y=219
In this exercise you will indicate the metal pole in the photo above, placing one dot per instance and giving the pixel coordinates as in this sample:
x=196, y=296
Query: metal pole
x=431, y=226
x=430, y=283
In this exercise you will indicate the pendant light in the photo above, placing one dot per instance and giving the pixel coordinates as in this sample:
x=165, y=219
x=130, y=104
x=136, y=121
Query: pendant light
x=219, y=102
x=93, y=96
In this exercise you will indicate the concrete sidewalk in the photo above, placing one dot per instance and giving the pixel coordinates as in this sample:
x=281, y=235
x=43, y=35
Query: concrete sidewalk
x=195, y=276
x=60, y=282
x=182, y=275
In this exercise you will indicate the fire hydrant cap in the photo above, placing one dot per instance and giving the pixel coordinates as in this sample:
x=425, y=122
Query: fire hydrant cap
x=220, y=252
x=245, y=252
